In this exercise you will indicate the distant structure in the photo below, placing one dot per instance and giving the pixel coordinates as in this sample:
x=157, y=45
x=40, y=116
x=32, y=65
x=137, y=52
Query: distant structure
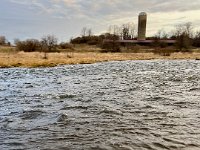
x=142, y=24
x=141, y=39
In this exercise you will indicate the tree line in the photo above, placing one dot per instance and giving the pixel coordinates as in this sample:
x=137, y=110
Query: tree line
x=183, y=34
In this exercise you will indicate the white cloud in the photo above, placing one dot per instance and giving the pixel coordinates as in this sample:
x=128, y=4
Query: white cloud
x=100, y=14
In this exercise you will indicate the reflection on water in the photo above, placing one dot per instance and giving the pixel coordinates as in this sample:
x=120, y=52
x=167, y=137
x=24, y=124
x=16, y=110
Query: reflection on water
x=114, y=105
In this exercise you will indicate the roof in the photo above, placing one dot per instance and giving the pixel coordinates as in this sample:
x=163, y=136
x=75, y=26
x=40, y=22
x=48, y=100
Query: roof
x=143, y=14
x=143, y=41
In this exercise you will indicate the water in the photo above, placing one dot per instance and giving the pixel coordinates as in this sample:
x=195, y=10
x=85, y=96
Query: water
x=106, y=106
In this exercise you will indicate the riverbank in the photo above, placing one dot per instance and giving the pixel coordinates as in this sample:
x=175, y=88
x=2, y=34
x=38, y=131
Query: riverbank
x=35, y=59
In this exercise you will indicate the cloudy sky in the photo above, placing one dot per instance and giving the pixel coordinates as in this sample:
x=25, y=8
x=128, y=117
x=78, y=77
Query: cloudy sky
x=65, y=18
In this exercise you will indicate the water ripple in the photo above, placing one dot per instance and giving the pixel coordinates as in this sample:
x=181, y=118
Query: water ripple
x=114, y=105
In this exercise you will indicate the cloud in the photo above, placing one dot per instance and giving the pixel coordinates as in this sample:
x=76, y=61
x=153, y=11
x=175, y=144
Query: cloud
x=70, y=16
x=108, y=8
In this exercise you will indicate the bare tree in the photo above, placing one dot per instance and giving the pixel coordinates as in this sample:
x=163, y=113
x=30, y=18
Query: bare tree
x=184, y=34
x=185, y=28
x=161, y=34
x=128, y=31
x=132, y=30
x=114, y=30
x=48, y=44
x=125, y=31
x=89, y=32
x=110, y=29
x=111, y=43
x=84, y=31
x=2, y=40
x=189, y=29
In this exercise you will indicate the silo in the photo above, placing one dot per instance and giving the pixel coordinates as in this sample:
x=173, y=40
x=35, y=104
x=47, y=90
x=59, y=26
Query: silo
x=142, y=23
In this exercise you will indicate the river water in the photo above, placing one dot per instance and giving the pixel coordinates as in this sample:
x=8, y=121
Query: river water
x=104, y=106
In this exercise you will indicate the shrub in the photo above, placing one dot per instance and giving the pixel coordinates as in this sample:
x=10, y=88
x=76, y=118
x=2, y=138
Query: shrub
x=183, y=42
x=110, y=46
x=48, y=44
x=65, y=46
x=30, y=45
x=163, y=51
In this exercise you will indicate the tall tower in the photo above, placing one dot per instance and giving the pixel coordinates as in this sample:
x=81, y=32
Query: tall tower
x=142, y=23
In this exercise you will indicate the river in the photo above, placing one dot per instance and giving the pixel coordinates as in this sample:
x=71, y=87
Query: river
x=128, y=105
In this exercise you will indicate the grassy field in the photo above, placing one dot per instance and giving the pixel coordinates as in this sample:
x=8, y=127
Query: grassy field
x=9, y=57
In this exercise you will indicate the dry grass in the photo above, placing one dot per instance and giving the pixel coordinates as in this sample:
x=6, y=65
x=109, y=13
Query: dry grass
x=81, y=54
x=7, y=49
x=35, y=59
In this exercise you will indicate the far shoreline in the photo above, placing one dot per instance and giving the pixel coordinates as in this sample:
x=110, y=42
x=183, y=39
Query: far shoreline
x=36, y=60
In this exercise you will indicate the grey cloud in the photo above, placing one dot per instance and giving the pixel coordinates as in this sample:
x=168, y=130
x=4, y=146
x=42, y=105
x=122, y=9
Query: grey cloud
x=99, y=14
x=171, y=5
x=106, y=8
x=92, y=8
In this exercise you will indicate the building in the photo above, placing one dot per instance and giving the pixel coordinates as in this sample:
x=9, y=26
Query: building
x=142, y=24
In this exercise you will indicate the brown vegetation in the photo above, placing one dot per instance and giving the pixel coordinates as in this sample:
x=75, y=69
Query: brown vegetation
x=35, y=59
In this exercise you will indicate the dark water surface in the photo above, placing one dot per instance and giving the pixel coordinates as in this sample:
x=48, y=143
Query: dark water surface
x=115, y=105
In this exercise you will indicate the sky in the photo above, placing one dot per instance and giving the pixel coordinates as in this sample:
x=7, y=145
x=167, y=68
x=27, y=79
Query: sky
x=65, y=19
